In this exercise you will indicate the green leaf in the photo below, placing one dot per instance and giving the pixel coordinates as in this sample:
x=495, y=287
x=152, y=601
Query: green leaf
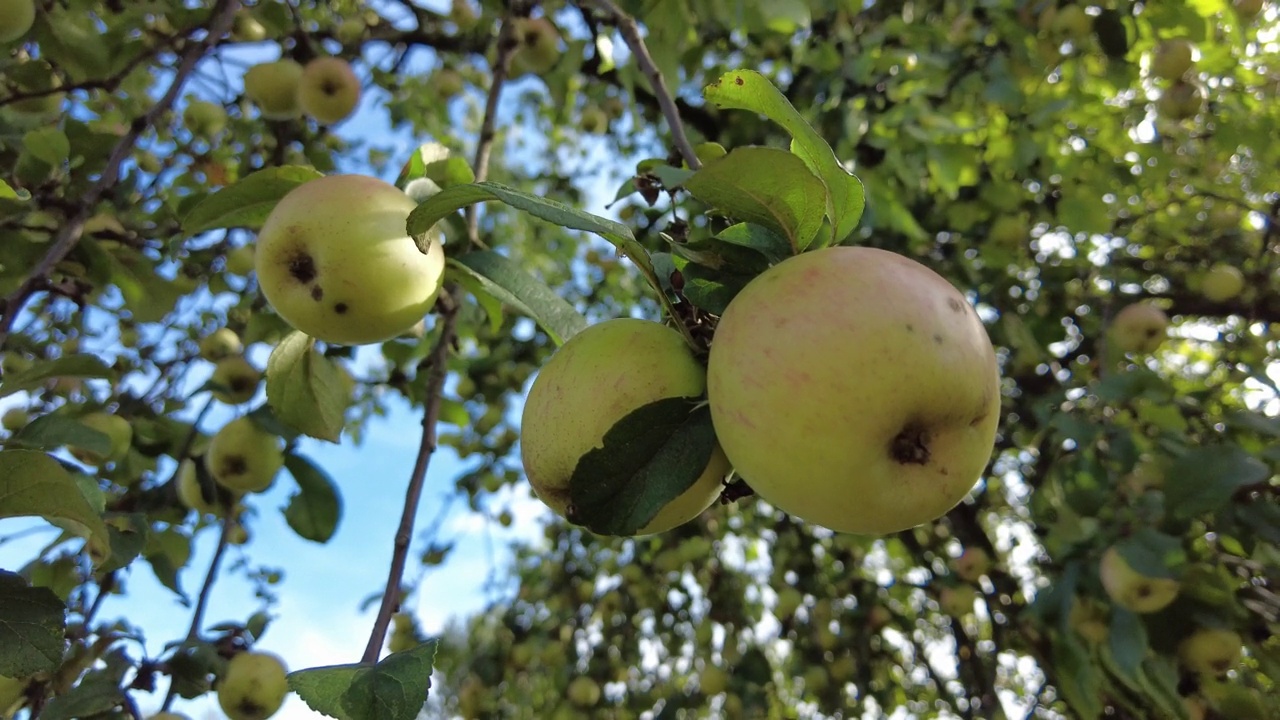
x=91, y=697
x=1080, y=682
x=305, y=389
x=81, y=366
x=711, y=290
x=32, y=626
x=128, y=538
x=647, y=459
x=52, y=431
x=313, y=511
x=168, y=552
x=757, y=238
x=34, y=484
x=1152, y=553
x=506, y=281
x=1127, y=641
x=749, y=90
x=766, y=186
x=248, y=202
x=7, y=192
x=394, y=689
x=1207, y=477
x=47, y=144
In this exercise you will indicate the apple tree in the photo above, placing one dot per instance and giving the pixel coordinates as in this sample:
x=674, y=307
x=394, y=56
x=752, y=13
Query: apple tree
x=1032, y=246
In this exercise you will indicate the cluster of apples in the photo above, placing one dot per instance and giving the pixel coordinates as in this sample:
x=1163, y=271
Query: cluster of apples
x=326, y=88
x=252, y=687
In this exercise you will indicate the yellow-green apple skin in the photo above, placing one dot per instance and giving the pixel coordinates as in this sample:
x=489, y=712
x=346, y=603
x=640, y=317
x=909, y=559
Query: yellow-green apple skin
x=1138, y=328
x=204, y=118
x=1132, y=590
x=1172, y=59
x=247, y=28
x=1222, y=283
x=273, y=87
x=219, y=344
x=240, y=260
x=15, y=419
x=253, y=687
x=957, y=601
x=237, y=380
x=972, y=564
x=243, y=457
x=11, y=691
x=190, y=494
x=329, y=90
x=537, y=47
x=583, y=692
x=1210, y=651
x=16, y=19
x=335, y=260
x=594, y=380
x=714, y=680
x=114, y=427
x=855, y=389
x=1181, y=100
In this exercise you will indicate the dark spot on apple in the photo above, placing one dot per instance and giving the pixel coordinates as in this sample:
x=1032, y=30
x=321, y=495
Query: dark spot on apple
x=330, y=87
x=340, y=308
x=1144, y=591
x=241, y=383
x=234, y=465
x=531, y=37
x=738, y=81
x=955, y=304
x=317, y=293
x=911, y=328
x=249, y=708
x=937, y=339
x=302, y=268
x=911, y=446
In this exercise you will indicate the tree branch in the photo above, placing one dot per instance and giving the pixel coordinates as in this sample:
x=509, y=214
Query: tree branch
x=206, y=589
x=488, y=132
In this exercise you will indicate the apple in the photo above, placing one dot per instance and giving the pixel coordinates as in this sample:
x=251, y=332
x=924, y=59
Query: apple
x=253, y=686
x=335, y=260
x=1210, y=652
x=593, y=381
x=594, y=120
x=12, y=691
x=1069, y=22
x=1138, y=328
x=274, y=88
x=856, y=389
x=1173, y=58
x=1248, y=9
x=816, y=680
x=1089, y=620
x=462, y=14
x=219, y=344
x=329, y=90
x=1221, y=283
x=1132, y=590
x=237, y=534
x=714, y=680
x=116, y=428
x=191, y=495
x=16, y=19
x=351, y=30
x=15, y=419
x=446, y=83
x=583, y=692
x=1009, y=231
x=957, y=600
x=972, y=564
x=246, y=28
x=237, y=380
x=789, y=600
x=1181, y=100
x=240, y=260
x=203, y=118
x=537, y=47
x=244, y=458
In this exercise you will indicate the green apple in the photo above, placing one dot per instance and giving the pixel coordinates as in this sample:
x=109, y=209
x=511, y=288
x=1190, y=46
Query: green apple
x=972, y=564
x=1222, y=282
x=957, y=600
x=1069, y=22
x=446, y=83
x=714, y=680
x=789, y=600
x=462, y=14
x=240, y=260
x=1210, y=651
x=246, y=28
x=351, y=30
x=273, y=87
x=203, y=118
x=16, y=19
x=191, y=495
x=816, y=680
x=537, y=47
x=583, y=692
x=253, y=686
x=885, y=377
x=1089, y=620
x=1248, y=9
x=594, y=380
x=1235, y=701
x=236, y=379
x=12, y=691
x=219, y=344
x=1138, y=328
x=329, y=90
x=243, y=457
x=1132, y=590
x=1181, y=100
x=335, y=260
x=594, y=120
x=1173, y=58
x=114, y=427
x=237, y=534
x=15, y=419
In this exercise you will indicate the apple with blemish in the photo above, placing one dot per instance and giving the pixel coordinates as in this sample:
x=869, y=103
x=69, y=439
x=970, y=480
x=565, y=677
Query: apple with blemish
x=273, y=87
x=328, y=90
x=1138, y=328
x=243, y=457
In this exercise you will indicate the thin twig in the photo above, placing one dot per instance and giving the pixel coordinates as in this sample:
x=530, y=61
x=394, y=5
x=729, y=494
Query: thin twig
x=488, y=127
x=202, y=602
x=404, y=533
x=631, y=36
x=70, y=233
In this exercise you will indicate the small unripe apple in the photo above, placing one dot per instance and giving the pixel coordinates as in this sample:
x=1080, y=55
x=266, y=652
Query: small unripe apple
x=583, y=692
x=15, y=419
x=1222, y=283
x=240, y=260
x=1210, y=652
x=1069, y=22
x=462, y=14
x=594, y=380
x=219, y=344
x=972, y=564
x=16, y=19
x=114, y=427
x=537, y=47
x=203, y=118
x=246, y=28
x=273, y=87
x=243, y=457
x=253, y=686
x=1248, y=9
x=1138, y=328
x=1172, y=59
x=957, y=600
x=714, y=680
x=1181, y=100
x=335, y=260
x=329, y=90
x=351, y=29
x=594, y=120
x=190, y=493
x=446, y=83
x=237, y=379
x=1132, y=590
x=789, y=600
x=11, y=693
x=885, y=377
